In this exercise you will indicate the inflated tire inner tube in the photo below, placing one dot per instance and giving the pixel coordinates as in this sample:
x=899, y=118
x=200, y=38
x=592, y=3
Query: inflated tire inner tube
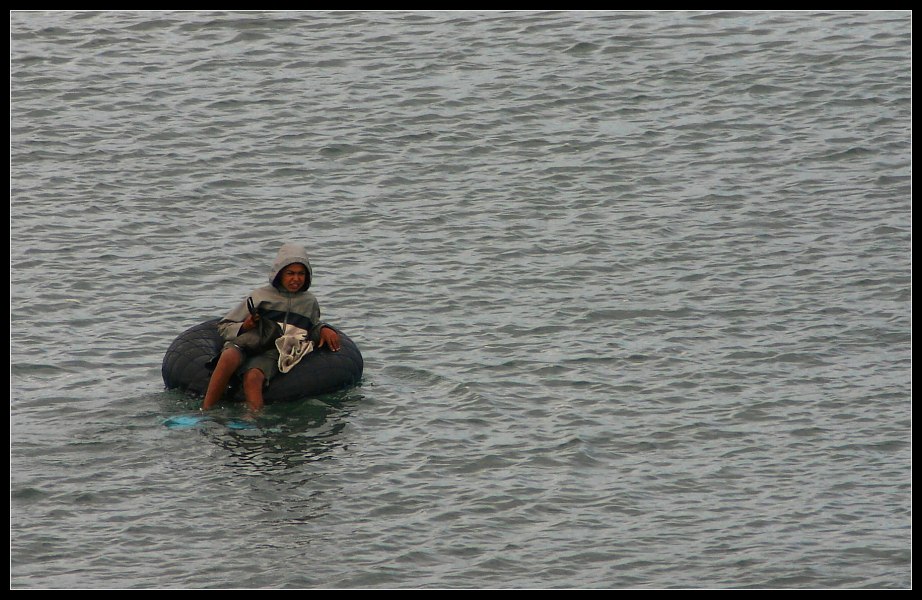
x=186, y=367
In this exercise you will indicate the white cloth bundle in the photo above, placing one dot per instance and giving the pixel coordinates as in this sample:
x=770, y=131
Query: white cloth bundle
x=293, y=345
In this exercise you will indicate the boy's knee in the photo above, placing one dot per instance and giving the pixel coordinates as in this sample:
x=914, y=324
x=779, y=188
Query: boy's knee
x=231, y=355
x=254, y=377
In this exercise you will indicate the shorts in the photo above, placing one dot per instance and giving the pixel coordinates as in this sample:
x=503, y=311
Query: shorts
x=267, y=362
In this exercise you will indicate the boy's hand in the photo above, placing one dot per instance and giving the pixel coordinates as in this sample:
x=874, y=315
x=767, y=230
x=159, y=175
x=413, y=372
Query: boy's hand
x=249, y=323
x=329, y=338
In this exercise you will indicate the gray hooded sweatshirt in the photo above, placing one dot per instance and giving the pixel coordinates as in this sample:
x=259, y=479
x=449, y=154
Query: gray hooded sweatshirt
x=299, y=309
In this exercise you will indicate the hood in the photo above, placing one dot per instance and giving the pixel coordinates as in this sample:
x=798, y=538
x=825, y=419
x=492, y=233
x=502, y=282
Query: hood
x=288, y=254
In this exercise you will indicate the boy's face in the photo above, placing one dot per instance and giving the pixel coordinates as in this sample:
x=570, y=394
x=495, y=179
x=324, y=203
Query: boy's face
x=293, y=277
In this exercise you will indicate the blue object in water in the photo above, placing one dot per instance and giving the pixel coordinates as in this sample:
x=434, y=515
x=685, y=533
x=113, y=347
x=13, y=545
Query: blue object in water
x=190, y=421
x=183, y=421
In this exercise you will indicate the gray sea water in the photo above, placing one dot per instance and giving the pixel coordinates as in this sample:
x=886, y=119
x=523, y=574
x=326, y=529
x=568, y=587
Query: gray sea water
x=633, y=291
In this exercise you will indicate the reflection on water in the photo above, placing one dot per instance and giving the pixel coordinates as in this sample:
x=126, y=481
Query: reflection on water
x=281, y=438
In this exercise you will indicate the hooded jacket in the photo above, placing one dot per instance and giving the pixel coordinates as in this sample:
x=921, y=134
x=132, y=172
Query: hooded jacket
x=299, y=309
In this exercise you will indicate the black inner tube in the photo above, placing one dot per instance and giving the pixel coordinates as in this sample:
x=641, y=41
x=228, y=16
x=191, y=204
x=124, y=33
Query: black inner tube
x=186, y=367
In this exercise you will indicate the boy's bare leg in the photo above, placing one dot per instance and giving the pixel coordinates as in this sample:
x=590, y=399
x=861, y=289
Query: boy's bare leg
x=253, y=381
x=228, y=363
